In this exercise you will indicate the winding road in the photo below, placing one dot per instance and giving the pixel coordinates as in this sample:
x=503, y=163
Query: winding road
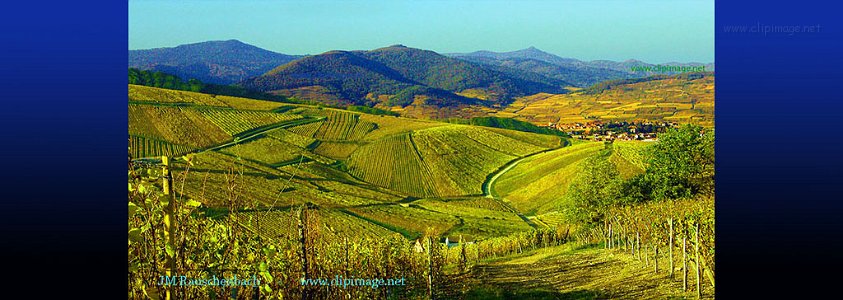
x=487, y=186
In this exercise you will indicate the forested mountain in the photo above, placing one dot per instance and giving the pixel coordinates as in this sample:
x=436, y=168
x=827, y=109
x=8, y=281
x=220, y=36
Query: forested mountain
x=439, y=71
x=390, y=76
x=577, y=72
x=219, y=62
x=396, y=75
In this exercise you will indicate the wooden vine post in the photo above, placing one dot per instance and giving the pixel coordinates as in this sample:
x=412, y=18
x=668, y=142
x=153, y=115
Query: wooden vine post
x=697, y=250
x=347, y=258
x=638, y=245
x=670, y=245
x=656, y=258
x=169, y=221
x=429, y=269
x=684, y=264
x=463, y=259
x=303, y=241
x=610, y=236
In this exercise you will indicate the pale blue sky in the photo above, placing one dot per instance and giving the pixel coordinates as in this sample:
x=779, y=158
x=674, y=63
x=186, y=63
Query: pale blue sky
x=654, y=31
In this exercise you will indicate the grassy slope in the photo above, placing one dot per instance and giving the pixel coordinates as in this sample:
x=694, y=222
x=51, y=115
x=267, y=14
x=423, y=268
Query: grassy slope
x=537, y=184
x=479, y=217
x=567, y=272
x=397, y=157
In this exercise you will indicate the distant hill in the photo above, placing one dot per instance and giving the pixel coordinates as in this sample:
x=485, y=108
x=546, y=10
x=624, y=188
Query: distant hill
x=513, y=124
x=680, y=98
x=218, y=62
x=398, y=76
x=172, y=82
x=576, y=72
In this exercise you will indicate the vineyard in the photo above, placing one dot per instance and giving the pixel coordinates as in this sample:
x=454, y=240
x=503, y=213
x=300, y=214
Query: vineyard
x=294, y=191
x=146, y=147
x=266, y=150
x=336, y=150
x=666, y=236
x=306, y=130
x=292, y=138
x=235, y=122
x=477, y=223
x=266, y=186
x=412, y=222
x=534, y=184
x=343, y=126
x=153, y=95
x=665, y=100
x=177, y=125
x=393, y=162
x=460, y=157
x=249, y=104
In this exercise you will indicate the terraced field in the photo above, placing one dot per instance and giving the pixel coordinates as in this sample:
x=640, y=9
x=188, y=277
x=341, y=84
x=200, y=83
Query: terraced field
x=540, y=140
x=410, y=221
x=267, y=150
x=536, y=184
x=670, y=100
x=336, y=225
x=392, y=162
x=477, y=223
x=249, y=104
x=177, y=125
x=442, y=161
x=215, y=178
x=552, y=219
x=383, y=177
x=148, y=147
x=343, y=126
x=235, y=122
x=336, y=150
x=291, y=137
x=306, y=130
x=460, y=157
x=388, y=125
x=153, y=95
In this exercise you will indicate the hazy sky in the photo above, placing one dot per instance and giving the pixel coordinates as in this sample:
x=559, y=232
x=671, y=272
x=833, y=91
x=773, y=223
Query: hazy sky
x=654, y=31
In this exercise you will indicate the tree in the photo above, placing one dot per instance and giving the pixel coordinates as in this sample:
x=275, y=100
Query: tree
x=681, y=164
x=597, y=186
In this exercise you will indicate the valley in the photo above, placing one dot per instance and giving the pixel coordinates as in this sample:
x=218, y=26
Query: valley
x=467, y=179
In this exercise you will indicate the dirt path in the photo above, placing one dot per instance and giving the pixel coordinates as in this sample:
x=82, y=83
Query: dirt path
x=567, y=272
x=490, y=180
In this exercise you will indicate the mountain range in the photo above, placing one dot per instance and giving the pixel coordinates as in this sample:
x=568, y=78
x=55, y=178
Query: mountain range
x=577, y=72
x=391, y=76
x=397, y=75
x=218, y=62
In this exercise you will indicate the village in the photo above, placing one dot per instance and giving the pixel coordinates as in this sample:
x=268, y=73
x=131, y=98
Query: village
x=615, y=130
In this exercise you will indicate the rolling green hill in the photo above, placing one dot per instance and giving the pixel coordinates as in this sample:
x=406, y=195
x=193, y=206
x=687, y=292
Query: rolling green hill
x=536, y=184
x=359, y=168
x=392, y=190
